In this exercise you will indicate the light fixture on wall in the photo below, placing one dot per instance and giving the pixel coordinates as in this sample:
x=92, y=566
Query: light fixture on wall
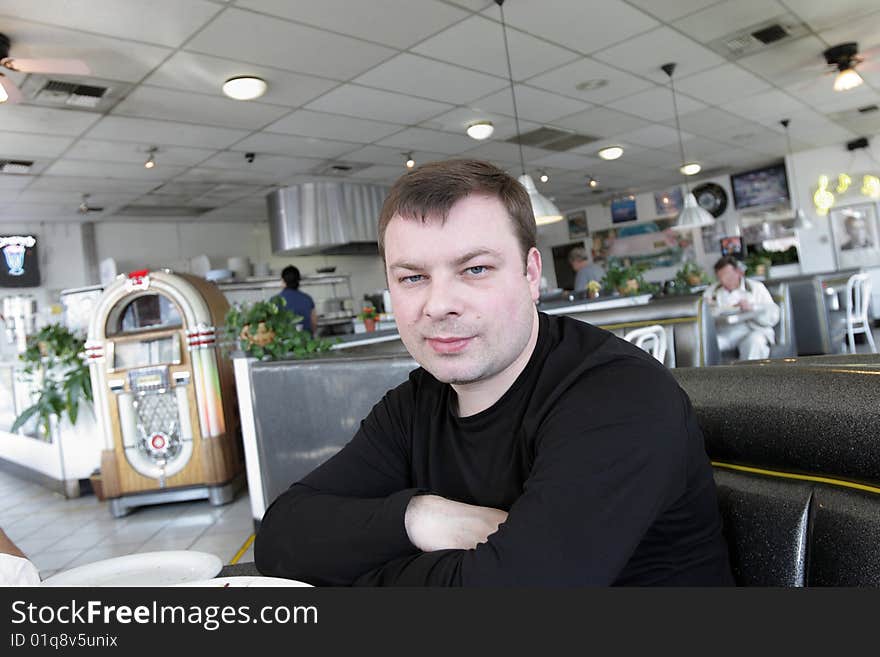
x=245, y=87
x=543, y=208
x=151, y=161
x=410, y=162
x=844, y=57
x=592, y=182
x=480, y=130
x=610, y=153
x=692, y=215
x=800, y=218
x=544, y=177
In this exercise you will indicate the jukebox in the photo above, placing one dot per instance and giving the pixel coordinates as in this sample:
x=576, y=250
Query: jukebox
x=164, y=398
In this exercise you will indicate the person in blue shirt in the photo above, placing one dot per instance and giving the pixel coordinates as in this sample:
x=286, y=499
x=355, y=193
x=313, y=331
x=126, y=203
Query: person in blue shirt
x=299, y=303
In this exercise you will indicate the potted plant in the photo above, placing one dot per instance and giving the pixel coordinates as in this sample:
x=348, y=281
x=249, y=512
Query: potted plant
x=54, y=357
x=758, y=263
x=370, y=316
x=690, y=275
x=626, y=279
x=266, y=330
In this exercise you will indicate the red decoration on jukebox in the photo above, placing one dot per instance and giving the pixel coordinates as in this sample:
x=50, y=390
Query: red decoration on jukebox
x=164, y=396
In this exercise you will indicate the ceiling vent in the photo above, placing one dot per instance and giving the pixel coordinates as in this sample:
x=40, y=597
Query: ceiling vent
x=15, y=166
x=340, y=169
x=71, y=93
x=757, y=37
x=93, y=95
x=551, y=139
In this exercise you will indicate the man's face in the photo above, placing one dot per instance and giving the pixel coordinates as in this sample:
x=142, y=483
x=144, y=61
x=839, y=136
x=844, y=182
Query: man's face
x=464, y=306
x=858, y=230
x=729, y=277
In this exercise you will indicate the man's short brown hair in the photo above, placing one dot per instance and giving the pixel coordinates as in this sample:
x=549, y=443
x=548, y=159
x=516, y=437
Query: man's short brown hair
x=723, y=261
x=432, y=189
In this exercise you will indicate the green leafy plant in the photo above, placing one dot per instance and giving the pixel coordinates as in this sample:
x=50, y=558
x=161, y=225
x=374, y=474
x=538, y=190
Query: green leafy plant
x=268, y=331
x=54, y=357
x=690, y=275
x=757, y=263
x=627, y=279
x=368, y=312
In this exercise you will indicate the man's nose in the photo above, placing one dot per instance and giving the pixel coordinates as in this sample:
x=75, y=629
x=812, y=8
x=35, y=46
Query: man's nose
x=443, y=299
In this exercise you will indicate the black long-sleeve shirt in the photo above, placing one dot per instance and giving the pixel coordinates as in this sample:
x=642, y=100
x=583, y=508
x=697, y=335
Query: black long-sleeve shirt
x=594, y=452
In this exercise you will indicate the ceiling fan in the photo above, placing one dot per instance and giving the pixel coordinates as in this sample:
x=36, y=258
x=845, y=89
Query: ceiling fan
x=85, y=208
x=9, y=92
x=843, y=59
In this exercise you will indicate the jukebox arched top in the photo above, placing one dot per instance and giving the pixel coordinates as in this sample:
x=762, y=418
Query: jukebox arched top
x=149, y=311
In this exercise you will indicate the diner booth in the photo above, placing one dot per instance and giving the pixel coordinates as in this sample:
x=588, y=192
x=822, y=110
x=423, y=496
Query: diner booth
x=164, y=397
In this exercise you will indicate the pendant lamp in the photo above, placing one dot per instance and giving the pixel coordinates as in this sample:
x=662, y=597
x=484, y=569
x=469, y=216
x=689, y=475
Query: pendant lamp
x=800, y=218
x=692, y=214
x=543, y=208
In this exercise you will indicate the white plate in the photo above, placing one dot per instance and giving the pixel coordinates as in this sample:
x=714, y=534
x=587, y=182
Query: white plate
x=145, y=569
x=245, y=580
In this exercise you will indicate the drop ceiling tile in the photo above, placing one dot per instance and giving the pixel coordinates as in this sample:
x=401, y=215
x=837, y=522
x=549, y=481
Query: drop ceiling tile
x=363, y=102
x=428, y=78
x=115, y=151
x=390, y=156
x=81, y=184
x=768, y=106
x=397, y=23
x=205, y=74
x=23, y=146
x=429, y=140
x=164, y=22
x=274, y=42
x=460, y=118
x=532, y=104
x=88, y=169
x=820, y=15
x=230, y=176
x=726, y=18
x=645, y=54
x=601, y=122
x=655, y=136
x=819, y=94
x=478, y=43
x=656, y=104
x=569, y=23
x=789, y=62
x=473, y=5
x=73, y=198
x=46, y=120
x=146, y=131
x=40, y=211
x=564, y=80
x=380, y=173
x=293, y=146
x=713, y=122
x=865, y=31
x=721, y=84
x=107, y=58
x=570, y=161
x=333, y=126
x=501, y=152
x=276, y=166
x=156, y=103
x=8, y=181
x=669, y=10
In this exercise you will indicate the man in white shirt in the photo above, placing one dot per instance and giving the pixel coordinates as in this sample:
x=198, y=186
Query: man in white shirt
x=734, y=293
x=15, y=568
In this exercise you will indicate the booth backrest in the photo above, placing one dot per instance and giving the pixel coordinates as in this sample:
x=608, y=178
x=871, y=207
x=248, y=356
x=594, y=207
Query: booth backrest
x=786, y=341
x=797, y=462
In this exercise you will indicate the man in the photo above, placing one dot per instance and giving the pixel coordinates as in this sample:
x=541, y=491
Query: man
x=527, y=450
x=857, y=233
x=584, y=270
x=15, y=568
x=734, y=293
x=297, y=302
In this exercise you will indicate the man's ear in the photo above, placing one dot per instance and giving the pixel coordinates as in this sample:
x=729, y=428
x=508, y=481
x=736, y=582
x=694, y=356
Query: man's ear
x=533, y=272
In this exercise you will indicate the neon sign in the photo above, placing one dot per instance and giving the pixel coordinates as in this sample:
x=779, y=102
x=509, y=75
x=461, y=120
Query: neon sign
x=825, y=197
x=14, y=251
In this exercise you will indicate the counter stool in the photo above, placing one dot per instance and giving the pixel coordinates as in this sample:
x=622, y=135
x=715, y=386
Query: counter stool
x=858, y=296
x=650, y=338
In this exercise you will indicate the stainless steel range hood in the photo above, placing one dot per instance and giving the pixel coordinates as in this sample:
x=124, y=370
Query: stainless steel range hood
x=331, y=218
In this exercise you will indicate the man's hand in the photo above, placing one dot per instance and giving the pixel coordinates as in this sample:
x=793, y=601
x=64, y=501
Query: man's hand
x=435, y=523
x=745, y=305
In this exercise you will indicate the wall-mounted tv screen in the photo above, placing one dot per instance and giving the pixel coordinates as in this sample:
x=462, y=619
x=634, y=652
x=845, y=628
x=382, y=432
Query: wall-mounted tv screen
x=20, y=265
x=623, y=209
x=764, y=187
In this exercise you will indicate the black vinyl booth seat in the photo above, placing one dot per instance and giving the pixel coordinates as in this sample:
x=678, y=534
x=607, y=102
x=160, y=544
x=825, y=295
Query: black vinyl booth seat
x=795, y=444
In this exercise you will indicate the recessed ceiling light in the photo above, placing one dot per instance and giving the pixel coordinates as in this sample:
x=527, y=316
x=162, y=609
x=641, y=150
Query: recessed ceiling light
x=611, y=153
x=245, y=87
x=151, y=161
x=544, y=177
x=690, y=169
x=590, y=85
x=480, y=130
x=410, y=162
x=592, y=182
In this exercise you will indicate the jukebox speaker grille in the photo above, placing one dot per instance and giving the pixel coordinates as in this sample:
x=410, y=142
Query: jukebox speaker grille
x=158, y=426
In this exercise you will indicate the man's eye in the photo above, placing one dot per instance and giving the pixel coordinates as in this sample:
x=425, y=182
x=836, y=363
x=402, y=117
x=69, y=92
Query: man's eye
x=477, y=270
x=415, y=278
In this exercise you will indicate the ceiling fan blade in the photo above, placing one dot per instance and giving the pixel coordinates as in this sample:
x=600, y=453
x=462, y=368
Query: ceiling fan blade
x=13, y=95
x=58, y=66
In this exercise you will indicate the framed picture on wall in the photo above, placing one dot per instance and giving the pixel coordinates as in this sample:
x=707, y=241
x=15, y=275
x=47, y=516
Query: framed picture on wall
x=732, y=245
x=623, y=209
x=856, y=235
x=577, y=224
x=668, y=203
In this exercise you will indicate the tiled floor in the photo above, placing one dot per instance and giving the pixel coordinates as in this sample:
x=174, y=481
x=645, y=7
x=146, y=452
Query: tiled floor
x=58, y=534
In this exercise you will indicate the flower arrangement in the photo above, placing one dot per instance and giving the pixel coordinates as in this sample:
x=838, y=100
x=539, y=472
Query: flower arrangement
x=627, y=279
x=690, y=275
x=266, y=330
x=593, y=289
x=368, y=312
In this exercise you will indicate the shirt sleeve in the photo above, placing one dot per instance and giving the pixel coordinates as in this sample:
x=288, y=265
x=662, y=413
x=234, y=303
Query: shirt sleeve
x=17, y=571
x=768, y=314
x=611, y=457
x=347, y=516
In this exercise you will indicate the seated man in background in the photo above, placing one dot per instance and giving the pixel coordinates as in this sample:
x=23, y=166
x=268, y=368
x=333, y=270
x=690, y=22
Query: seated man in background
x=584, y=270
x=735, y=293
x=527, y=450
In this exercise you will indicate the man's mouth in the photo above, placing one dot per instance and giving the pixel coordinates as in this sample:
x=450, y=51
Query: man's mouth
x=448, y=345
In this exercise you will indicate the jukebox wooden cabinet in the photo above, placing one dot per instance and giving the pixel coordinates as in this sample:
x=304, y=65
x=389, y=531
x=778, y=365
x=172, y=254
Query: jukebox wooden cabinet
x=164, y=397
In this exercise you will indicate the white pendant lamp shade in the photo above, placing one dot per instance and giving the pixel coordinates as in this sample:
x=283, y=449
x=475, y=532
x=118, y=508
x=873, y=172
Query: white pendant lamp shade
x=693, y=215
x=801, y=222
x=544, y=209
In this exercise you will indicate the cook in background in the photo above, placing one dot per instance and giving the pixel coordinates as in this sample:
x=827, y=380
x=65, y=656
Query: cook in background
x=297, y=302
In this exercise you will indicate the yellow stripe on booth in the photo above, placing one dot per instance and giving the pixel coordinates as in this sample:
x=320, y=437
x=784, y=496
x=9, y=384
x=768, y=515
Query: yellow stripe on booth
x=802, y=477
x=242, y=549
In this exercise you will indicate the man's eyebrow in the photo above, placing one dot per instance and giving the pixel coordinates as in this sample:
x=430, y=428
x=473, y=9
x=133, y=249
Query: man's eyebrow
x=470, y=255
x=405, y=265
